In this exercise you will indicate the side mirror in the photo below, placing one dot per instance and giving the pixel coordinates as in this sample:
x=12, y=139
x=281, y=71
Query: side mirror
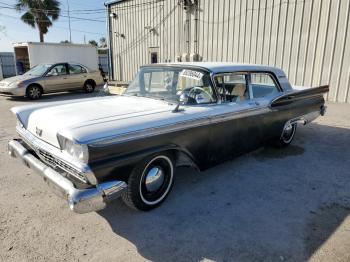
x=51, y=74
x=183, y=97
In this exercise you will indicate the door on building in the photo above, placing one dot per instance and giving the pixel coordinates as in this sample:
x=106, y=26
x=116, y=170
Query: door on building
x=153, y=55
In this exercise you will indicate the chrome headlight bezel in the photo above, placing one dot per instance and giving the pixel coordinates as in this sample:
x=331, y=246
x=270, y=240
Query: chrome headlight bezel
x=77, y=151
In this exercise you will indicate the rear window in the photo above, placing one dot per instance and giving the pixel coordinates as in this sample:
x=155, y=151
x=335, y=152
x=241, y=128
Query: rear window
x=263, y=85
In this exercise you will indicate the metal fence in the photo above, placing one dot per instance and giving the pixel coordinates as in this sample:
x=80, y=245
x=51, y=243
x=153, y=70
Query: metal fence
x=308, y=39
x=7, y=62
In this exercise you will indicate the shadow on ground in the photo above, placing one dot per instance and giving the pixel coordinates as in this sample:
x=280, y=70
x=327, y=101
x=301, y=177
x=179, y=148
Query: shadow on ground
x=270, y=205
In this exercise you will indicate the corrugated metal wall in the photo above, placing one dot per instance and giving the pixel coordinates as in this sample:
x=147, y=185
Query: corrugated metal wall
x=309, y=39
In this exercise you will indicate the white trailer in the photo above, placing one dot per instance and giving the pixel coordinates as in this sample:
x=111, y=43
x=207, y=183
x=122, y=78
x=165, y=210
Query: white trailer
x=30, y=54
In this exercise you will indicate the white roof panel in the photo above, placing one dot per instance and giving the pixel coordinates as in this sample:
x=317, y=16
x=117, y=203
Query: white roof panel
x=221, y=67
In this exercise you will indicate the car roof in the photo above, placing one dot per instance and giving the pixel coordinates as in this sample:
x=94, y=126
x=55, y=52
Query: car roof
x=222, y=67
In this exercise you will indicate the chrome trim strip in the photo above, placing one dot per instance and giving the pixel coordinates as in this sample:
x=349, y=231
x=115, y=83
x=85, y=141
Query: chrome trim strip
x=178, y=126
x=37, y=144
x=79, y=200
x=303, y=119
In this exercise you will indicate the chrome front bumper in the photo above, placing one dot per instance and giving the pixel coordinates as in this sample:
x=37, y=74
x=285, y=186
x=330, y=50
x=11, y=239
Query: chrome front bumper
x=79, y=200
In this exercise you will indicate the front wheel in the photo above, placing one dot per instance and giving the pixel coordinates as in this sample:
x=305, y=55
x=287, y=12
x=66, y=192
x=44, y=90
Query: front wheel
x=150, y=182
x=34, y=92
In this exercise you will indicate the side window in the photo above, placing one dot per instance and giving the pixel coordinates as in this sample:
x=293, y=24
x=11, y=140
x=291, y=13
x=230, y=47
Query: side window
x=76, y=69
x=196, y=85
x=232, y=87
x=58, y=70
x=263, y=85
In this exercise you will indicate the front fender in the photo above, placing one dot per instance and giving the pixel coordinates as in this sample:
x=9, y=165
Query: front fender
x=119, y=167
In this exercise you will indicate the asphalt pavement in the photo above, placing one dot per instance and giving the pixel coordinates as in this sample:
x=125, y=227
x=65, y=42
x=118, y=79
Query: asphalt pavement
x=290, y=204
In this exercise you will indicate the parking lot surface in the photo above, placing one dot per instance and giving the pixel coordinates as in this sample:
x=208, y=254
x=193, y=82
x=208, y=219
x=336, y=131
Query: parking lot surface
x=289, y=204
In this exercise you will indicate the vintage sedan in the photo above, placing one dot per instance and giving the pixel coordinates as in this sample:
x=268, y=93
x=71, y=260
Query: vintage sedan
x=94, y=150
x=51, y=78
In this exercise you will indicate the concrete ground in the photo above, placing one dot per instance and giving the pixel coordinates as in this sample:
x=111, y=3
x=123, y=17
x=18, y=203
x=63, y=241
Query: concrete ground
x=289, y=204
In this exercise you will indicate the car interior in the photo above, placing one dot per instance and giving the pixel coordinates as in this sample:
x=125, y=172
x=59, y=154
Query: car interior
x=58, y=70
x=233, y=90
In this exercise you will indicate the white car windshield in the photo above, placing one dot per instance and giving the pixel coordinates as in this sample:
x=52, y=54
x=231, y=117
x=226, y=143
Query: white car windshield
x=38, y=70
x=168, y=83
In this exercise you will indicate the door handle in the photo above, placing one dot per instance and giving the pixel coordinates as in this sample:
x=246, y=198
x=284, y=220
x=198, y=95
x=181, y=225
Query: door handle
x=254, y=103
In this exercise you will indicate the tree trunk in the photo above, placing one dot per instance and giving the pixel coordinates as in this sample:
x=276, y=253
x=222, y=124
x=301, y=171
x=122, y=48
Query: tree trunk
x=41, y=36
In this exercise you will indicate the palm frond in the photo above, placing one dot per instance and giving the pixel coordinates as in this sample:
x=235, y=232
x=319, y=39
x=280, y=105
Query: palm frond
x=29, y=19
x=53, y=7
x=39, y=12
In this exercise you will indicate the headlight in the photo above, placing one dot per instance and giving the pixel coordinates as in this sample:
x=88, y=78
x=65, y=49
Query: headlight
x=16, y=84
x=76, y=151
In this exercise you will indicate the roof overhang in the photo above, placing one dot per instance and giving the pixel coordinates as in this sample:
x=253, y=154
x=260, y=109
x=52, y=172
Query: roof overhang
x=111, y=2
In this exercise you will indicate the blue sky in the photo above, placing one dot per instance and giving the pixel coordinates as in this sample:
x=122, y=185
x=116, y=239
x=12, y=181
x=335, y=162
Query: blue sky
x=14, y=30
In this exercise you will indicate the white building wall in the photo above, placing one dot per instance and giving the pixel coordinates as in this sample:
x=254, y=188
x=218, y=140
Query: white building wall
x=309, y=39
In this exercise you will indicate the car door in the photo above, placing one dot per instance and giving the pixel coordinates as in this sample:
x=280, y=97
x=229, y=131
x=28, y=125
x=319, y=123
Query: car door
x=56, y=79
x=77, y=76
x=236, y=125
x=264, y=88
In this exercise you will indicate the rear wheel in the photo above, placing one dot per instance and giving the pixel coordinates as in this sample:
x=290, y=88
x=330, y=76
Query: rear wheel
x=34, y=92
x=89, y=86
x=287, y=135
x=150, y=182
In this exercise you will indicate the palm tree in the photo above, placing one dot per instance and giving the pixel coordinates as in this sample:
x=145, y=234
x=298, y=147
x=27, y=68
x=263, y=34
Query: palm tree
x=93, y=42
x=39, y=14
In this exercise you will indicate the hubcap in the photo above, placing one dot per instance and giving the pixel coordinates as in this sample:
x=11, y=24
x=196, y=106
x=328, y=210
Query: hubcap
x=34, y=92
x=154, y=179
x=89, y=87
x=288, y=133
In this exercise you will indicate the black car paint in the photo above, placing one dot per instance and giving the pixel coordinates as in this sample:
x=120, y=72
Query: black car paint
x=209, y=144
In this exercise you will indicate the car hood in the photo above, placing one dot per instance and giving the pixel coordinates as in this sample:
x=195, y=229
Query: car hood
x=13, y=79
x=88, y=120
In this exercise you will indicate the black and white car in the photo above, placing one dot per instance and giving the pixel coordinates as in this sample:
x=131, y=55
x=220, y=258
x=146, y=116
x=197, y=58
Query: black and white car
x=184, y=114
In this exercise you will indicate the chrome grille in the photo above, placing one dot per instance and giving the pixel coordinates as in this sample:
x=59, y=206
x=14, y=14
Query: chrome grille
x=56, y=163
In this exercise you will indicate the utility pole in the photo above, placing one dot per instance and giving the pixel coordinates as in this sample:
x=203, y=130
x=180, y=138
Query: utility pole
x=70, y=30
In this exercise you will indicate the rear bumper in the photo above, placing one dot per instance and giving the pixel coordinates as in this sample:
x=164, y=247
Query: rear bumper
x=79, y=200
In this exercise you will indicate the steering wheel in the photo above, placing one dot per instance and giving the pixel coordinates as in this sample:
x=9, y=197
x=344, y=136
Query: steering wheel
x=192, y=93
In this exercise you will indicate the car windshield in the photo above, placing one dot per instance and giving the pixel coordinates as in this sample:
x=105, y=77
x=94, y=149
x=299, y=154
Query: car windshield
x=38, y=70
x=168, y=83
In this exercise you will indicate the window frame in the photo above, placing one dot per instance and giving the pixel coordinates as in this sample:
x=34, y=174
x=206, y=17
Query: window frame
x=250, y=89
x=82, y=67
x=273, y=77
x=53, y=66
x=248, y=83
